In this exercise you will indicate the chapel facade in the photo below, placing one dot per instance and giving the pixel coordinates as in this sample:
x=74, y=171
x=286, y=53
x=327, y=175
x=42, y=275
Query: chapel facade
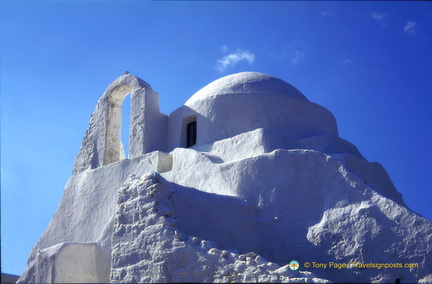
x=227, y=107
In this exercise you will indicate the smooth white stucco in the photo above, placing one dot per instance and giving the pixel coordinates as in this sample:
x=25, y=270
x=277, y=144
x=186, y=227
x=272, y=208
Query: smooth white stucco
x=246, y=101
x=246, y=83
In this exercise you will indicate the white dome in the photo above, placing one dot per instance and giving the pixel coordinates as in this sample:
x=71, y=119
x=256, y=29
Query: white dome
x=244, y=102
x=246, y=82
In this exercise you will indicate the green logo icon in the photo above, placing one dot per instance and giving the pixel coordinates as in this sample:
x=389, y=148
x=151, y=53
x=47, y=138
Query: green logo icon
x=294, y=265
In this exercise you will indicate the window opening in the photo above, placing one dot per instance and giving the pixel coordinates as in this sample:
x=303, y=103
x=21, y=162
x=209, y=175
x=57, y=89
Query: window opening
x=114, y=150
x=191, y=134
x=125, y=125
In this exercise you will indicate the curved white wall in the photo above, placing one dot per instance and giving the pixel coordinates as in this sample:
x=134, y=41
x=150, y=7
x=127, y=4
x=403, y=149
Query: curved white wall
x=227, y=115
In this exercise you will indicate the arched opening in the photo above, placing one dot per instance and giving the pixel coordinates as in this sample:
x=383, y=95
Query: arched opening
x=114, y=147
x=125, y=124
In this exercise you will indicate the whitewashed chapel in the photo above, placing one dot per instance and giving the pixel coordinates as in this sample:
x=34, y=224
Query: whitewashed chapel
x=246, y=176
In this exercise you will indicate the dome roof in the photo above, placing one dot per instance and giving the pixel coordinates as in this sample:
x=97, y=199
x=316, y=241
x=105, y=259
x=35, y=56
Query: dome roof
x=246, y=82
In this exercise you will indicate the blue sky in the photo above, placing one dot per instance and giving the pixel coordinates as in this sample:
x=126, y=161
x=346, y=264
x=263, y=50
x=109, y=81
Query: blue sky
x=369, y=63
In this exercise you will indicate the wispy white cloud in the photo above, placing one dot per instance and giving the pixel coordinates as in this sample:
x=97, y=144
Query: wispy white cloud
x=293, y=52
x=410, y=28
x=329, y=13
x=232, y=59
x=345, y=62
x=297, y=56
x=224, y=48
x=379, y=16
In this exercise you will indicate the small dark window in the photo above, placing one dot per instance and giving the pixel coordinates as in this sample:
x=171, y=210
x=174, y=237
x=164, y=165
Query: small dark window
x=191, y=134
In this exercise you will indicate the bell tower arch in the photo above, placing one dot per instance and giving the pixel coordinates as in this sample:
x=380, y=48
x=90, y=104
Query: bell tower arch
x=114, y=149
x=148, y=127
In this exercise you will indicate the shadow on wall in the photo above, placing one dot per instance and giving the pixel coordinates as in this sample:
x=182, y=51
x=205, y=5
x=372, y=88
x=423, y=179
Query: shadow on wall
x=240, y=226
x=207, y=216
x=185, y=128
x=237, y=225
